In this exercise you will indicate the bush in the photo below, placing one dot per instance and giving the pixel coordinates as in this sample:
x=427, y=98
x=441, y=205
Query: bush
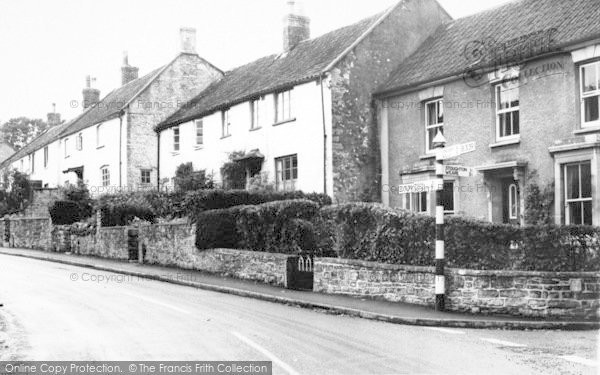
x=265, y=227
x=161, y=204
x=64, y=212
x=121, y=214
x=374, y=233
x=186, y=179
x=203, y=200
x=81, y=196
x=217, y=229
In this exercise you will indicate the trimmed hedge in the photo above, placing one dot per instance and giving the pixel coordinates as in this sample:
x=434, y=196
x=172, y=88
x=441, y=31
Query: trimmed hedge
x=121, y=214
x=374, y=233
x=217, y=229
x=64, y=212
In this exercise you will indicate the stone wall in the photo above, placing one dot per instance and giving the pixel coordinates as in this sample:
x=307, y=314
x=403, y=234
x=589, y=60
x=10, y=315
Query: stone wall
x=31, y=233
x=109, y=242
x=173, y=245
x=40, y=201
x=519, y=293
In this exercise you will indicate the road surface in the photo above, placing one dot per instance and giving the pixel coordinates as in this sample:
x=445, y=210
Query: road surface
x=59, y=312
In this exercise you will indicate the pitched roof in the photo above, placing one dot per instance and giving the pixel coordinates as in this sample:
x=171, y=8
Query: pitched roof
x=307, y=61
x=442, y=55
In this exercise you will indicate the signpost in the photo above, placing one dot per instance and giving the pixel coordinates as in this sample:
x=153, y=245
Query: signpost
x=454, y=151
x=458, y=170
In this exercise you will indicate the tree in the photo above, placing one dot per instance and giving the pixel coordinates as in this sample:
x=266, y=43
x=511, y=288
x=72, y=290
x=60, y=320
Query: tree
x=233, y=172
x=186, y=179
x=19, y=194
x=19, y=131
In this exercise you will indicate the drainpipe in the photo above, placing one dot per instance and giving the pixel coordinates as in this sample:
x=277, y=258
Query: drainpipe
x=120, y=149
x=324, y=137
x=158, y=162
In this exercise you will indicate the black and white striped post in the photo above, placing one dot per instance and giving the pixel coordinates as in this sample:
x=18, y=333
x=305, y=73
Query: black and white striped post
x=439, y=142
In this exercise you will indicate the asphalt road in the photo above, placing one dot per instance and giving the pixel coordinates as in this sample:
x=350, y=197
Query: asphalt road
x=59, y=312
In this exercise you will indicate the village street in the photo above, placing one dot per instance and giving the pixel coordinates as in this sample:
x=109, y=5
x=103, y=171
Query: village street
x=53, y=315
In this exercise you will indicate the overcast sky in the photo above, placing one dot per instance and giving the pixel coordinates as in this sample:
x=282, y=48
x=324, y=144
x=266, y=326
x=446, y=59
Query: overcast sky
x=48, y=47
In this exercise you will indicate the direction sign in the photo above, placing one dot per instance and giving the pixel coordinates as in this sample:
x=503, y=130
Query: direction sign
x=420, y=186
x=458, y=170
x=454, y=151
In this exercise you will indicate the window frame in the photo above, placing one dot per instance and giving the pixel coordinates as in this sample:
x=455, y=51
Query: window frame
x=46, y=156
x=281, y=184
x=581, y=200
x=583, y=96
x=176, y=145
x=149, y=175
x=409, y=202
x=199, y=127
x=32, y=159
x=255, y=114
x=99, y=136
x=509, y=110
x=428, y=127
x=66, y=147
x=280, y=100
x=225, y=123
x=105, y=177
x=79, y=142
x=513, y=202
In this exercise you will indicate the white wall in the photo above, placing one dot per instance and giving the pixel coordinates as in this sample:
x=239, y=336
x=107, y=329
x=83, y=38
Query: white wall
x=303, y=137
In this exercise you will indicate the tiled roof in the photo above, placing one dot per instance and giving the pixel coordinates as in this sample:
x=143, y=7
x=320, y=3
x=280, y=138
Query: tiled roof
x=108, y=108
x=443, y=55
x=306, y=61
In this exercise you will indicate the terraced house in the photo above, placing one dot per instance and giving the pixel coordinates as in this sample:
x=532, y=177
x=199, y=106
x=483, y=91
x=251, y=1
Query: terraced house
x=522, y=81
x=111, y=145
x=303, y=116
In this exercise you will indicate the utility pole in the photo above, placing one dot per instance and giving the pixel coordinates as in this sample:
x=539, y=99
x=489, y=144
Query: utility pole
x=439, y=142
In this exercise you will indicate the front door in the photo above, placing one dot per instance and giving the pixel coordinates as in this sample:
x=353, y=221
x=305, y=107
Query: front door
x=510, y=201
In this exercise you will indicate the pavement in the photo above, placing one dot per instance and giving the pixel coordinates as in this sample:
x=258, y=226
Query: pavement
x=65, y=312
x=391, y=312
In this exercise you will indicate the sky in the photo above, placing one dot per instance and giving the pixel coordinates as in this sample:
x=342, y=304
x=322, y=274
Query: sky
x=48, y=47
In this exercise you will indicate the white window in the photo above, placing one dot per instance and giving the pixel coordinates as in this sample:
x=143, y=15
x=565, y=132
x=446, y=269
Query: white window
x=286, y=170
x=507, y=110
x=67, y=151
x=513, y=202
x=590, y=94
x=434, y=122
x=79, y=142
x=32, y=157
x=99, y=136
x=416, y=202
x=199, y=132
x=176, y=139
x=283, y=106
x=146, y=173
x=45, y=156
x=225, y=124
x=105, y=174
x=254, y=114
x=578, y=193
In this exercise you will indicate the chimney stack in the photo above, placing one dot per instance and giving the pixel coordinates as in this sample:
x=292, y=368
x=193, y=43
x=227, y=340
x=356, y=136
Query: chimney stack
x=53, y=117
x=90, y=96
x=296, y=25
x=128, y=72
x=187, y=38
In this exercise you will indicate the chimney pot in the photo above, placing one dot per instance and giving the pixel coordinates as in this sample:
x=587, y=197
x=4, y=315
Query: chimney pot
x=53, y=117
x=128, y=72
x=187, y=36
x=296, y=25
x=90, y=96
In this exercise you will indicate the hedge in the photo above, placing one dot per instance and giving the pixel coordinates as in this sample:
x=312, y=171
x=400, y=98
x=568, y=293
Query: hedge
x=374, y=233
x=217, y=229
x=121, y=214
x=64, y=212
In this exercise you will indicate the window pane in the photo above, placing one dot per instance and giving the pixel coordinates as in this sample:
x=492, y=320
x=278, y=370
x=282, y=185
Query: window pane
x=432, y=132
x=515, y=123
x=509, y=95
x=440, y=115
x=407, y=201
x=587, y=213
x=423, y=201
x=448, y=196
x=505, y=120
x=590, y=108
x=575, y=213
x=431, y=113
x=573, y=181
x=589, y=78
x=586, y=180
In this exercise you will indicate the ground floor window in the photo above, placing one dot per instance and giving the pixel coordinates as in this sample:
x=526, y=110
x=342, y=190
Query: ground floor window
x=416, y=202
x=577, y=179
x=286, y=172
x=146, y=176
x=448, y=197
x=105, y=173
x=513, y=202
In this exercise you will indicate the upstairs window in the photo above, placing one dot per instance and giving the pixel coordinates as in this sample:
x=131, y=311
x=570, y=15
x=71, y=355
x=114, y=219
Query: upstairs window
x=434, y=122
x=578, y=193
x=45, y=156
x=176, y=139
x=254, y=114
x=199, y=132
x=105, y=175
x=33, y=162
x=99, y=136
x=283, y=106
x=286, y=171
x=507, y=110
x=590, y=94
x=79, y=142
x=66, y=145
x=225, y=124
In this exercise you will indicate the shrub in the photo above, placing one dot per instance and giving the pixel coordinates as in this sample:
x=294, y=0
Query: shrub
x=186, y=179
x=64, y=212
x=121, y=214
x=217, y=229
x=18, y=195
x=161, y=204
x=81, y=196
x=263, y=227
x=298, y=235
x=234, y=172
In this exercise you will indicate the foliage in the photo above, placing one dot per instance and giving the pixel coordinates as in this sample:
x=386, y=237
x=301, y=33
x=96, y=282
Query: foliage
x=260, y=182
x=161, y=204
x=217, y=229
x=233, y=172
x=122, y=214
x=278, y=227
x=538, y=202
x=19, y=131
x=18, y=195
x=81, y=196
x=64, y=212
x=374, y=233
x=186, y=179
